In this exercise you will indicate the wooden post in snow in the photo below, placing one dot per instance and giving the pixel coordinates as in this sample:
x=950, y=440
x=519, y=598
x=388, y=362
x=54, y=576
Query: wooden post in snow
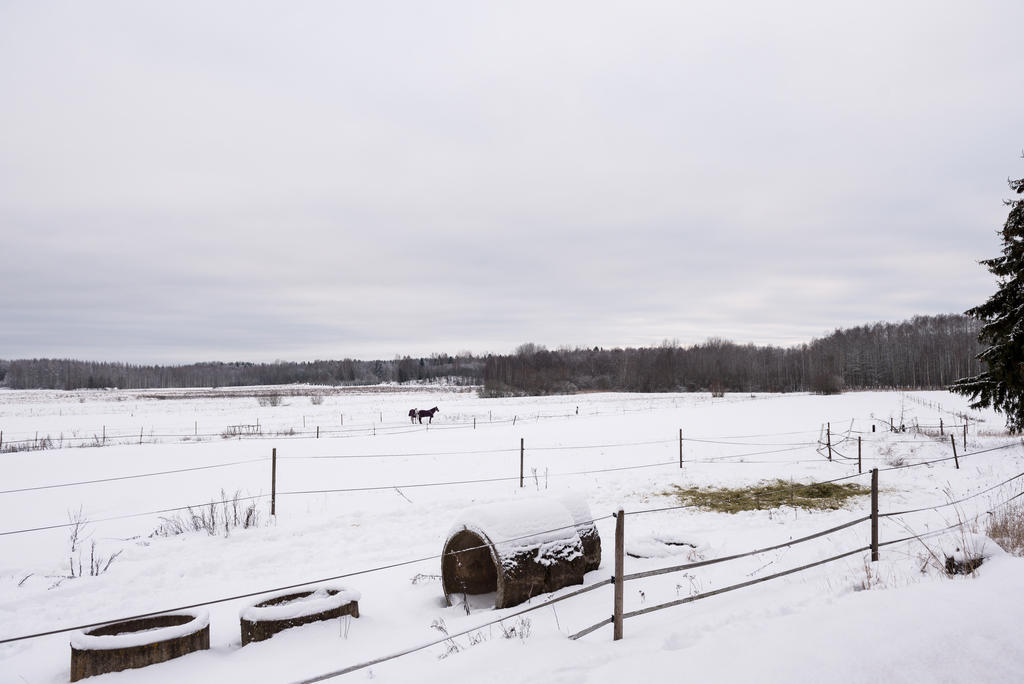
x=859, y=471
x=874, y=514
x=521, y=449
x=273, y=482
x=680, y=447
x=828, y=440
x=620, y=562
x=956, y=461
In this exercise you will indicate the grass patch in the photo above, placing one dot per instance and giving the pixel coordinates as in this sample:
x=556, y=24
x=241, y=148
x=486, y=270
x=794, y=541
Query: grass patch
x=1006, y=528
x=235, y=512
x=768, y=494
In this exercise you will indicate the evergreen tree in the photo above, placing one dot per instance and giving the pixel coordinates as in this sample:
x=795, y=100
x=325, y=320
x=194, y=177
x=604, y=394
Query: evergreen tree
x=1001, y=384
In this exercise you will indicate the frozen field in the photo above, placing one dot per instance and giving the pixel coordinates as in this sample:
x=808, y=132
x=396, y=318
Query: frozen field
x=619, y=450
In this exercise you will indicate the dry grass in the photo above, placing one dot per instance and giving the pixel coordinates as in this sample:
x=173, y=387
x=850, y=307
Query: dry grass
x=768, y=495
x=216, y=517
x=37, y=444
x=273, y=399
x=1006, y=528
x=966, y=555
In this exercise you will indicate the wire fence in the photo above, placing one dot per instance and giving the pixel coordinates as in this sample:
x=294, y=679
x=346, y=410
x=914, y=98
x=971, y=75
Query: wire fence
x=119, y=435
x=617, y=580
x=620, y=577
x=133, y=477
x=297, y=585
x=449, y=637
x=336, y=490
x=723, y=441
x=728, y=459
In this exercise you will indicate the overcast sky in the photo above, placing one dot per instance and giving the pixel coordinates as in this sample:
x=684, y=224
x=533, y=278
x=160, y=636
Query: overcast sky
x=185, y=181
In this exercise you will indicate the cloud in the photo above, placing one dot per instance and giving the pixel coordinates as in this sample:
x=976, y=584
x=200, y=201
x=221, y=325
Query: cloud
x=253, y=180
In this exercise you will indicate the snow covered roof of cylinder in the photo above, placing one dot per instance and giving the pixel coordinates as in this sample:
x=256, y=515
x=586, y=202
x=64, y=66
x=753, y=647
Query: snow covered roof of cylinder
x=515, y=527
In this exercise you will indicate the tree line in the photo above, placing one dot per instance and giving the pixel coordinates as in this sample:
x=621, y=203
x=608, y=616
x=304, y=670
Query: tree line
x=68, y=374
x=926, y=352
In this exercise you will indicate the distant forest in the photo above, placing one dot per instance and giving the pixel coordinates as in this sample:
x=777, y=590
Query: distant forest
x=70, y=374
x=926, y=352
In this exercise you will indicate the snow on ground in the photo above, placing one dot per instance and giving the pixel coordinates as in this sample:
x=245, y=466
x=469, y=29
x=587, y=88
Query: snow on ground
x=816, y=625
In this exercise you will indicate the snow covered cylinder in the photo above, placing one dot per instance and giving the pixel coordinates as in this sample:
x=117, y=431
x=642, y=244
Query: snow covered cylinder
x=519, y=549
x=137, y=643
x=292, y=609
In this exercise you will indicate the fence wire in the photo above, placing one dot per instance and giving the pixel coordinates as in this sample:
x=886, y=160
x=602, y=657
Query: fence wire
x=435, y=642
x=132, y=477
x=574, y=525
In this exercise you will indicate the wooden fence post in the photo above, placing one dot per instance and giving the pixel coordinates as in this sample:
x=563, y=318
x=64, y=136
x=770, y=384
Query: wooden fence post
x=521, y=449
x=474, y=422
x=318, y=432
x=828, y=440
x=273, y=482
x=620, y=562
x=952, y=440
x=965, y=435
x=680, y=447
x=195, y=429
x=941, y=429
x=104, y=434
x=140, y=435
x=859, y=471
x=874, y=514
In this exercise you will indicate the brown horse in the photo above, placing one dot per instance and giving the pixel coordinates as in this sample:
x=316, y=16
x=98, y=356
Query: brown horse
x=421, y=414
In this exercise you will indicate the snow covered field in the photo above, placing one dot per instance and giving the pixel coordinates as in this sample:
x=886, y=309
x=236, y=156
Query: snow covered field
x=811, y=626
